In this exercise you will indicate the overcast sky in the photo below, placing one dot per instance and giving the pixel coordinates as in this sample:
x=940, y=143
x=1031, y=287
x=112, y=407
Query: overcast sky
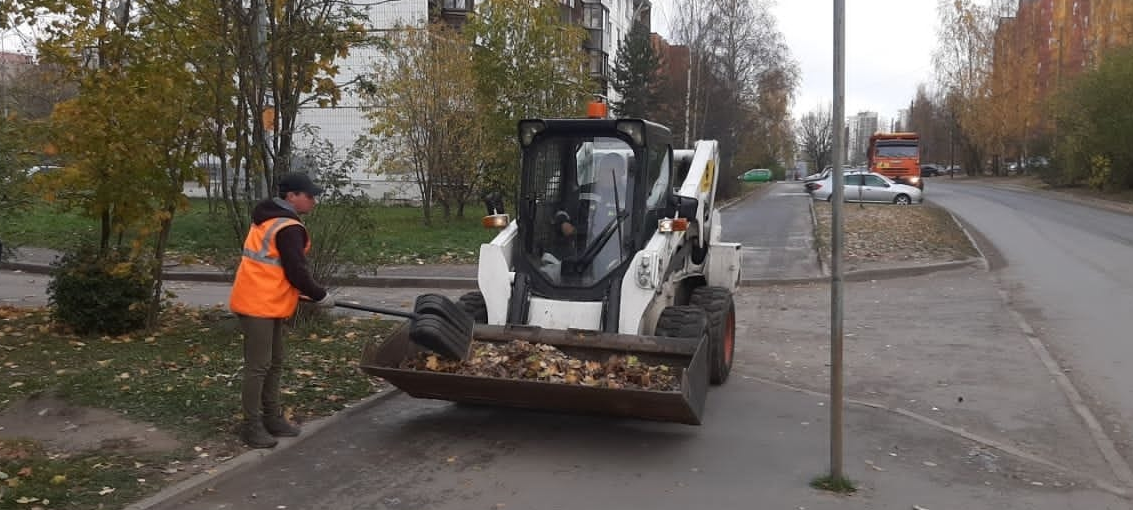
x=889, y=45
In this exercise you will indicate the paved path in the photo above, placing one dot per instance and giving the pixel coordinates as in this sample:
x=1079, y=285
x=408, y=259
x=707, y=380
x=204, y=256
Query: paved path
x=776, y=230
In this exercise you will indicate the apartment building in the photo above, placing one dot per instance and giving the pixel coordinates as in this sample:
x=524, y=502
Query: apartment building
x=607, y=22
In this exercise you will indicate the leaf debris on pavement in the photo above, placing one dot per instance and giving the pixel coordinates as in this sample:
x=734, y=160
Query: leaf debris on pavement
x=519, y=359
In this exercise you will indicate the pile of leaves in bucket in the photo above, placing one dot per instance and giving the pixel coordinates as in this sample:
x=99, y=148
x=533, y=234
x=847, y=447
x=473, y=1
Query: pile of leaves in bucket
x=541, y=362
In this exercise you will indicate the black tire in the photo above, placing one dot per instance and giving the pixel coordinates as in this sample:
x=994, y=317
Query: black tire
x=473, y=303
x=682, y=322
x=720, y=308
x=902, y=199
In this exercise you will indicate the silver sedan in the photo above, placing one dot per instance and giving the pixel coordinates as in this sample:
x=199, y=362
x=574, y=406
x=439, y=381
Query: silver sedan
x=869, y=187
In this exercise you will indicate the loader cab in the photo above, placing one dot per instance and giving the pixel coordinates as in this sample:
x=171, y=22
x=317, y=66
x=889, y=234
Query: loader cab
x=591, y=192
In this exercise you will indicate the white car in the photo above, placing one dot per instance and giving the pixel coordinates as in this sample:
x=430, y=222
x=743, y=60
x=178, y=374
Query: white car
x=869, y=187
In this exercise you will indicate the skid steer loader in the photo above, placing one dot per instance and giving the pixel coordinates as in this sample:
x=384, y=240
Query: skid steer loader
x=615, y=249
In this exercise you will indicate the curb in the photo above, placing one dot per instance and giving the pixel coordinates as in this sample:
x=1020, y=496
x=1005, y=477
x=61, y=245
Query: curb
x=814, y=243
x=187, y=489
x=443, y=282
x=867, y=274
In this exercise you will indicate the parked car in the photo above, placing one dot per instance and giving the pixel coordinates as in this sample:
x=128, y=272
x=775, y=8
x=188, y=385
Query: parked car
x=756, y=175
x=810, y=182
x=931, y=170
x=869, y=187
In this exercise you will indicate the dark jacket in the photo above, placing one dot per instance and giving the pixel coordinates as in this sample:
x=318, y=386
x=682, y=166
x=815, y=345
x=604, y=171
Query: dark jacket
x=291, y=242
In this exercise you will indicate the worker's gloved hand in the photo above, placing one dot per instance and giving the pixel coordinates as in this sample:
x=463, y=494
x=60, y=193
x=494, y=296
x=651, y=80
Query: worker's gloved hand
x=326, y=302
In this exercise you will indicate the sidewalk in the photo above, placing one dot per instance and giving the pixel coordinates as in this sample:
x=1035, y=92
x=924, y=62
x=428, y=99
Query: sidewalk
x=432, y=276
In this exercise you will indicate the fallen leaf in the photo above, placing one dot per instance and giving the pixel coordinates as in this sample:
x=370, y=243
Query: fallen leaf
x=16, y=384
x=58, y=479
x=25, y=472
x=105, y=491
x=25, y=500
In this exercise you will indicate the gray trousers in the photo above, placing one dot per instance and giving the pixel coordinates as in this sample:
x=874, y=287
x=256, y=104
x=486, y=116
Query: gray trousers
x=263, y=365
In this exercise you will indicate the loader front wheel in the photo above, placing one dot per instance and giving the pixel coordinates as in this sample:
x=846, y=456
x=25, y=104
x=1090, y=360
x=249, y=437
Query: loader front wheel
x=682, y=322
x=689, y=322
x=720, y=308
x=473, y=303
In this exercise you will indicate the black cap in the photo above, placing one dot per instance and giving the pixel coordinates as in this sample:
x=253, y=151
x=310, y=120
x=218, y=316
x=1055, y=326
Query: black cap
x=298, y=183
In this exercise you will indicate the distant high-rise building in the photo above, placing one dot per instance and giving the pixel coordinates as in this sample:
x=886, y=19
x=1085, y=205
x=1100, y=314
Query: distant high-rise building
x=861, y=126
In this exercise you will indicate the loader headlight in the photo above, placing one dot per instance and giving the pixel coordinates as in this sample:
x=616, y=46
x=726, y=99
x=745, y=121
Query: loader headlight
x=646, y=270
x=672, y=224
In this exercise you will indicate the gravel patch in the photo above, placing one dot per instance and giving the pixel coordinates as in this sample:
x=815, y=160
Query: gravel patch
x=881, y=235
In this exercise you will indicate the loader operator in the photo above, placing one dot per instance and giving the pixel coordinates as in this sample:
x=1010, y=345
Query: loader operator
x=272, y=275
x=598, y=204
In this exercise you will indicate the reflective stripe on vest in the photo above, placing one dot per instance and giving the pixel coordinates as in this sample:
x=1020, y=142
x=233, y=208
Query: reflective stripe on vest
x=264, y=253
x=261, y=288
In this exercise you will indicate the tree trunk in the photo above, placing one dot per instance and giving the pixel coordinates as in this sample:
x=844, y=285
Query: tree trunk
x=104, y=233
x=153, y=308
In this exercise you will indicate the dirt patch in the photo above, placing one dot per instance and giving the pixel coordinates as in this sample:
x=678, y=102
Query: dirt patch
x=65, y=428
x=881, y=236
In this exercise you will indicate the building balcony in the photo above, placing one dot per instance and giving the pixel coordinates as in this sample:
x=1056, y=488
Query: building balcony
x=452, y=12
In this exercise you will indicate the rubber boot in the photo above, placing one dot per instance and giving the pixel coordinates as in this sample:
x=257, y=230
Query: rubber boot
x=253, y=433
x=278, y=426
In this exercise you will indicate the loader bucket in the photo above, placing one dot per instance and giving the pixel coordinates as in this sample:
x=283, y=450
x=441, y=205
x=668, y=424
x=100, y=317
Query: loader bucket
x=683, y=405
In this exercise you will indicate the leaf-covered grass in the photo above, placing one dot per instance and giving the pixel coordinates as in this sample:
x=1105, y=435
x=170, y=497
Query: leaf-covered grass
x=183, y=379
x=392, y=235
x=40, y=479
x=879, y=235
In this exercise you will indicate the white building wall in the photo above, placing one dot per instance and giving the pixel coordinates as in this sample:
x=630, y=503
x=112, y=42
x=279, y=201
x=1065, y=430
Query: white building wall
x=344, y=124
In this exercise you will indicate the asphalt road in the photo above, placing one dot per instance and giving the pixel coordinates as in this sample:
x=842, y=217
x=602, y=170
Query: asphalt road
x=1069, y=271
x=760, y=443
x=775, y=229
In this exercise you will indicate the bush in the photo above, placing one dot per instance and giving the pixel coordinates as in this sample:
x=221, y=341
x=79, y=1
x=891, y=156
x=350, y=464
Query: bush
x=104, y=294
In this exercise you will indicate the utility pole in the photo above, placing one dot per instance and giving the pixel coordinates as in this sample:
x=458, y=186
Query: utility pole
x=836, y=227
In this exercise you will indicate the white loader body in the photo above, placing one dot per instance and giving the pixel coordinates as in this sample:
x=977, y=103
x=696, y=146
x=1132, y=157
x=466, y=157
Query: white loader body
x=645, y=290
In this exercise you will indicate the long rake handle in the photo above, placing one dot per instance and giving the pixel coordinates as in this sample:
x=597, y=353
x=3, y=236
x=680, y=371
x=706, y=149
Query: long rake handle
x=373, y=309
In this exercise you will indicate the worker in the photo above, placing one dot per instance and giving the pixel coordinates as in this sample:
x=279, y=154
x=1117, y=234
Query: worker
x=272, y=276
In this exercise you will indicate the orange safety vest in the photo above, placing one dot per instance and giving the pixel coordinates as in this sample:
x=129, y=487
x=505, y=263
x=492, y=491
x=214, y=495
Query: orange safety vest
x=261, y=288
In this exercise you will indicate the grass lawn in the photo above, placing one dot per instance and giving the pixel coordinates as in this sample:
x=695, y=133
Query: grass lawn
x=391, y=235
x=182, y=380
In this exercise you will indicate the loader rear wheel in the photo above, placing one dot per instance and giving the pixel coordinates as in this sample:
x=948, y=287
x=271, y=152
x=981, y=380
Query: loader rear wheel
x=477, y=308
x=720, y=308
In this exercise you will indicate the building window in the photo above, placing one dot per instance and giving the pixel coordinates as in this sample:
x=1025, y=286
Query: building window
x=599, y=62
x=593, y=16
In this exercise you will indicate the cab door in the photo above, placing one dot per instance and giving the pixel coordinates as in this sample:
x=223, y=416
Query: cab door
x=875, y=189
x=852, y=187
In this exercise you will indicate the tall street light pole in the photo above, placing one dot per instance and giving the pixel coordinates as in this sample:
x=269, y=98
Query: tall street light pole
x=836, y=227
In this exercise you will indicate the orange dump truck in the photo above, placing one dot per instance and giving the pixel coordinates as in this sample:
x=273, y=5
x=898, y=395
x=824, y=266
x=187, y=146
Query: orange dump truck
x=896, y=156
